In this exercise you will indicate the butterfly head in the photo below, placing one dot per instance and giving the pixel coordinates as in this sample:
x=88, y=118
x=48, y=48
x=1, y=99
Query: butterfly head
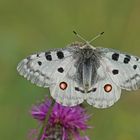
x=82, y=45
x=87, y=45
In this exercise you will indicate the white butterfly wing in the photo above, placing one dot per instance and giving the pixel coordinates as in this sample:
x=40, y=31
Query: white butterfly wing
x=38, y=68
x=63, y=88
x=105, y=92
x=68, y=96
x=123, y=69
x=53, y=69
x=118, y=71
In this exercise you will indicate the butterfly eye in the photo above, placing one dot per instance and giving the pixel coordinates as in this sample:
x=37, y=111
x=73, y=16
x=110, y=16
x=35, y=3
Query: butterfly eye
x=107, y=88
x=63, y=85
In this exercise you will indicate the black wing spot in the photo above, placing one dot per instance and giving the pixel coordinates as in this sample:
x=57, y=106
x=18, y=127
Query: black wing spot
x=115, y=71
x=126, y=60
x=80, y=90
x=39, y=63
x=92, y=90
x=134, y=67
x=48, y=56
x=128, y=56
x=60, y=54
x=76, y=88
x=115, y=56
x=137, y=59
x=61, y=70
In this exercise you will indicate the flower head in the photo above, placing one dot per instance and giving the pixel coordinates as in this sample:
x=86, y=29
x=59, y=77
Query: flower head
x=39, y=111
x=69, y=117
x=64, y=123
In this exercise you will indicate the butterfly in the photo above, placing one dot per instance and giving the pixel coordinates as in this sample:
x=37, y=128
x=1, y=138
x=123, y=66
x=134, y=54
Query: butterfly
x=82, y=72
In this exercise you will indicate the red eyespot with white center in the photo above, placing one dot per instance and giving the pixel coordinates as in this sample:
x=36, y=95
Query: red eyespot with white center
x=63, y=85
x=107, y=88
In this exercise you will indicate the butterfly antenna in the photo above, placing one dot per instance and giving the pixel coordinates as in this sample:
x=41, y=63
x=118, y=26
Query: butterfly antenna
x=88, y=42
x=96, y=37
x=80, y=36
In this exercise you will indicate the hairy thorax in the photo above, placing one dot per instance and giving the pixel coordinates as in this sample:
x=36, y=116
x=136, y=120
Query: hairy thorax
x=87, y=64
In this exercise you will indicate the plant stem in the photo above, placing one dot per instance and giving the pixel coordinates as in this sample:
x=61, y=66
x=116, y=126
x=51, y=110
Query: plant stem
x=46, y=120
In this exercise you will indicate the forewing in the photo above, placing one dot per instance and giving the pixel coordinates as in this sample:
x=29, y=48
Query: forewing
x=123, y=69
x=54, y=69
x=39, y=68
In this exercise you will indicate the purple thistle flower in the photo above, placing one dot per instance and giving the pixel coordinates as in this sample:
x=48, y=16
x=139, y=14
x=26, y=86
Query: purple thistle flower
x=64, y=123
x=39, y=111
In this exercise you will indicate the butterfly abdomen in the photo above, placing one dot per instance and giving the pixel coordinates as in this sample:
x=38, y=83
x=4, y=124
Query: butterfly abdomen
x=87, y=66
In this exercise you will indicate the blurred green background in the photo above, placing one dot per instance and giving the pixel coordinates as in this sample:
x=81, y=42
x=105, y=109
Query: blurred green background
x=28, y=26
